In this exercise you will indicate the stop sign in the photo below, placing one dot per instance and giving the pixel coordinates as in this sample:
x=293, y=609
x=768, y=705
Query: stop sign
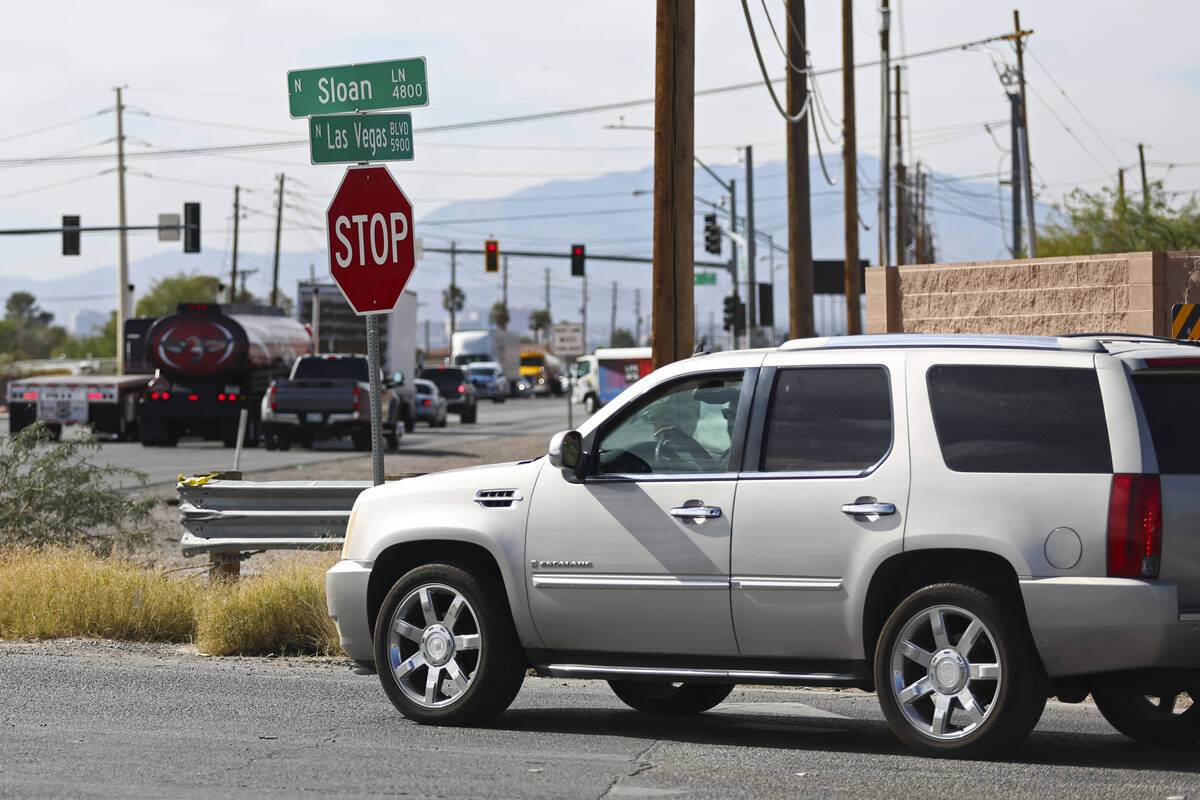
x=371, y=253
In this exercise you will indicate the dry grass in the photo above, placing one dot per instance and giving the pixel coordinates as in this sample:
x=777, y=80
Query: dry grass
x=56, y=592
x=281, y=611
x=59, y=592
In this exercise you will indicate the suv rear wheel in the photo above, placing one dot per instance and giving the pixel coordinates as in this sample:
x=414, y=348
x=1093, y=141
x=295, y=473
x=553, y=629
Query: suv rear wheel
x=1152, y=715
x=445, y=646
x=957, y=673
x=670, y=698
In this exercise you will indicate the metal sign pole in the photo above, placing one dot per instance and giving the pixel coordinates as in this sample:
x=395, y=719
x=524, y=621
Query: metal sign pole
x=376, y=393
x=570, y=389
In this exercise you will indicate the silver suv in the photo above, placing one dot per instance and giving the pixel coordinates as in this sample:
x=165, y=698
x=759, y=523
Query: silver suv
x=966, y=525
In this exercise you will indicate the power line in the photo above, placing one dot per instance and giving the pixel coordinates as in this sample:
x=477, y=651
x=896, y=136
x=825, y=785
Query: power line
x=56, y=125
x=1078, y=110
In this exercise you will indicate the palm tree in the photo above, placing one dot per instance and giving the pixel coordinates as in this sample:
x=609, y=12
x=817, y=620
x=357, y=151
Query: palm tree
x=539, y=321
x=499, y=315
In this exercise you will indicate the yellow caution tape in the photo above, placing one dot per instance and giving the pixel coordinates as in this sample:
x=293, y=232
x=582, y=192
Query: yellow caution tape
x=199, y=480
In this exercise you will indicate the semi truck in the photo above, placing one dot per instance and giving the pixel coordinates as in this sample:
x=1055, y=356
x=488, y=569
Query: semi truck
x=502, y=347
x=600, y=377
x=211, y=361
x=541, y=372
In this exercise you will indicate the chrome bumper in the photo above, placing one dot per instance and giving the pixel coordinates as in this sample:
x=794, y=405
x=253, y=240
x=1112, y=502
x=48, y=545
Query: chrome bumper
x=1090, y=625
x=346, y=600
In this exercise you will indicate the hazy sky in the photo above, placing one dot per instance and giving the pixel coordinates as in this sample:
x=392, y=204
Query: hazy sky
x=213, y=73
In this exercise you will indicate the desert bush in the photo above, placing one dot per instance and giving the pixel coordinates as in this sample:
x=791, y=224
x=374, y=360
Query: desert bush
x=281, y=611
x=53, y=592
x=52, y=494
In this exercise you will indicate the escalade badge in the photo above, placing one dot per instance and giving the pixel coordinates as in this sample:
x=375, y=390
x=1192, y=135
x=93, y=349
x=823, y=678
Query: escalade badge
x=559, y=564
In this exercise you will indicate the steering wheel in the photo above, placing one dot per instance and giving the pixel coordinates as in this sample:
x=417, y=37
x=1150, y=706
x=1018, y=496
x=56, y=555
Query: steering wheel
x=672, y=444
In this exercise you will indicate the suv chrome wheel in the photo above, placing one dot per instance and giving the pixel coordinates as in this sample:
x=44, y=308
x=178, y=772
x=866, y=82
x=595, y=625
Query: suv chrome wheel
x=957, y=672
x=945, y=672
x=445, y=647
x=433, y=645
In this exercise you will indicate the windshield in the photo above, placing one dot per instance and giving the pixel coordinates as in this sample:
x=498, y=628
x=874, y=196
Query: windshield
x=532, y=361
x=448, y=380
x=482, y=372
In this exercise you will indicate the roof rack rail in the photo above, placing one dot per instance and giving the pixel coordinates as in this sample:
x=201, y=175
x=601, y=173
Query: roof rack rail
x=1130, y=337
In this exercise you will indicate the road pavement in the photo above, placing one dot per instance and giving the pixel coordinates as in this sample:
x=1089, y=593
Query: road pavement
x=100, y=719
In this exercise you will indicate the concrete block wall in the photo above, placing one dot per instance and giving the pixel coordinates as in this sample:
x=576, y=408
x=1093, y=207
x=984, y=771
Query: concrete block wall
x=1120, y=292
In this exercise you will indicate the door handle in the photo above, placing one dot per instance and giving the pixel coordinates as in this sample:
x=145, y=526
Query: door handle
x=871, y=508
x=696, y=512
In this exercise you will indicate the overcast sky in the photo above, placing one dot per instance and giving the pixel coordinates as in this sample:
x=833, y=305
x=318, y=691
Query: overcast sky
x=213, y=73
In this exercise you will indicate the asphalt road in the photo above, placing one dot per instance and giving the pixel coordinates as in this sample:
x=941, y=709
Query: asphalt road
x=97, y=719
x=192, y=456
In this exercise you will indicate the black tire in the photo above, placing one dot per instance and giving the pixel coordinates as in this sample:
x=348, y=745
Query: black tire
x=442, y=422
x=410, y=424
x=1133, y=711
x=998, y=668
x=670, y=698
x=392, y=440
x=591, y=404
x=467, y=417
x=361, y=439
x=481, y=642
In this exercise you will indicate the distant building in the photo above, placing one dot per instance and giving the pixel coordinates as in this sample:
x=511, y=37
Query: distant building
x=86, y=322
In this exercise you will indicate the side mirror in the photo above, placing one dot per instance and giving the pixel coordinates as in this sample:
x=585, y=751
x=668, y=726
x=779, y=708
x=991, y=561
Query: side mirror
x=397, y=378
x=566, y=452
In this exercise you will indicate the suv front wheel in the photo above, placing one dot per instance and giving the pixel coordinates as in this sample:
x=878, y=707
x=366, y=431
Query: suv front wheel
x=957, y=673
x=445, y=646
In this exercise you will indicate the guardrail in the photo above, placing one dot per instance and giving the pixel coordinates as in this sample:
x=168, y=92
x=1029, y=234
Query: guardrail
x=225, y=516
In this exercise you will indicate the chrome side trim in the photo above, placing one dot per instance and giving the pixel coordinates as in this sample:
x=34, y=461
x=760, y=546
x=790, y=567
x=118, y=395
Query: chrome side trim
x=737, y=676
x=820, y=584
x=576, y=581
x=498, y=498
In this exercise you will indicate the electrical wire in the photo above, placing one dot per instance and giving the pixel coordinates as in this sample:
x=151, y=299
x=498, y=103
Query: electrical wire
x=1067, y=97
x=46, y=186
x=1065, y=126
x=787, y=58
x=799, y=116
x=55, y=126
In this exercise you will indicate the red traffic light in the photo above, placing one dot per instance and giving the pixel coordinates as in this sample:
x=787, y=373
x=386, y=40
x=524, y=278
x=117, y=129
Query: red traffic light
x=493, y=246
x=491, y=255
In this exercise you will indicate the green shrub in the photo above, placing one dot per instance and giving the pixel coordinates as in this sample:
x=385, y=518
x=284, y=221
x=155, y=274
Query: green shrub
x=52, y=494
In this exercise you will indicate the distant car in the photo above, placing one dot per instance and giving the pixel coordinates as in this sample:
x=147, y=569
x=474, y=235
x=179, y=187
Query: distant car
x=489, y=379
x=461, y=396
x=431, y=406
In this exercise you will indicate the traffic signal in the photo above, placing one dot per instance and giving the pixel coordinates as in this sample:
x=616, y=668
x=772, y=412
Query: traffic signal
x=491, y=255
x=191, y=227
x=70, y=235
x=739, y=319
x=766, y=305
x=712, y=234
x=577, y=260
x=731, y=303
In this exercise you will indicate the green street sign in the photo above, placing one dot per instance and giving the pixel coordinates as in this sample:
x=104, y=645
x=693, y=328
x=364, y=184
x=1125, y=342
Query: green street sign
x=358, y=87
x=706, y=279
x=353, y=138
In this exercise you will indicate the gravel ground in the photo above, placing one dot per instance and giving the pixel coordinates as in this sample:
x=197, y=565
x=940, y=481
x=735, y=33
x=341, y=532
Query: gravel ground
x=164, y=550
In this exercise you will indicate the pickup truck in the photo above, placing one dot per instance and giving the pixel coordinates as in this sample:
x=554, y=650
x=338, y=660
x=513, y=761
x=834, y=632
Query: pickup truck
x=328, y=396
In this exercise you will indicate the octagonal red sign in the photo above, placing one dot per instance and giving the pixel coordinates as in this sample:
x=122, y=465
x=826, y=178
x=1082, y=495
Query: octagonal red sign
x=369, y=227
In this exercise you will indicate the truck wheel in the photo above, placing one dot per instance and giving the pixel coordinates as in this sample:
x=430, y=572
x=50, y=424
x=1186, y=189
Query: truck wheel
x=361, y=439
x=670, y=698
x=392, y=440
x=957, y=673
x=409, y=424
x=591, y=404
x=1152, y=715
x=445, y=646
x=467, y=417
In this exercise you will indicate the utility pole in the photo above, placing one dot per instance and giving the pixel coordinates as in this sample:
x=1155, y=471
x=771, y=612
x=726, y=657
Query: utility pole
x=583, y=311
x=885, y=149
x=849, y=158
x=1025, y=131
x=548, y=294
x=901, y=188
x=279, y=230
x=612, y=323
x=453, y=293
x=504, y=283
x=637, y=315
x=426, y=337
x=123, y=261
x=237, y=213
x=1121, y=183
x=1014, y=100
x=674, y=183
x=800, y=269
x=733, y=250
x=1145, y=185
x=751, y=249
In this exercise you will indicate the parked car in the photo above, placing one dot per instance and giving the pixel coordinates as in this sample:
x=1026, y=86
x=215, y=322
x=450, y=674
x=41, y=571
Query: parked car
x=966, y=525
x=460, y=394
x=489, y=380
x=431, y=406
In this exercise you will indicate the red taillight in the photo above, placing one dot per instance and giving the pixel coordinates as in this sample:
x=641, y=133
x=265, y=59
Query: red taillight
x=274, y=405
x=461, y=388
x=166, y=395
x=95, y=396
x=1134, y=527
x=30, y=396
x=426, y=402
x=193, y=397
x=233, y=398
x=154, y=395
x=221, y=397
x=357, y=396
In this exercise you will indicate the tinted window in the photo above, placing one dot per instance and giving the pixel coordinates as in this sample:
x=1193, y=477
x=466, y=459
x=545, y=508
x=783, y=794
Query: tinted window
x=685, y=427
x=1170, y=402
x=447, y=379
x=354, y=369
x=1019, y=419
x=825, y=419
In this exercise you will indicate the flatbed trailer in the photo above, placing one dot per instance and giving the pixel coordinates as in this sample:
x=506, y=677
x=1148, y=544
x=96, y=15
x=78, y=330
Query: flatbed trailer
x=106, y=403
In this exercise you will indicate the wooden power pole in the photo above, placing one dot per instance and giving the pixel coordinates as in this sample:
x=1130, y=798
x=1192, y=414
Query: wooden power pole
x=123, y=309
x=901, y=231
x=237, y=213
x=853, y=318
x=1025, y=137
x=1145, y=184
x=800, y=268
x=674, y=85
x=278, y=232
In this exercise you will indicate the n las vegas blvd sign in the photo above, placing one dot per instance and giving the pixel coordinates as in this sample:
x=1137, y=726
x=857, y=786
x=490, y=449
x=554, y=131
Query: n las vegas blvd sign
x=369, y=230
